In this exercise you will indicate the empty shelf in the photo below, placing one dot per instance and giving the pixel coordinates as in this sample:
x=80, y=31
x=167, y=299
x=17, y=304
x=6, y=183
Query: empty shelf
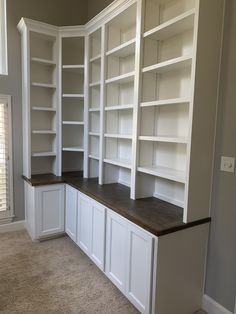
x=96, y=58
x=119, y=162
x=96, y=157
x=73, y=122
x=94, y=134
x=75, y=68
x=121, y=79
x=95, y=84
x=170, y=65
x=123, y=50
x=43, y=61
x=73, y=95
x=73, y=149
x=44, y=85
x=44, y=154
x=122, y=136
x=94, y=109
x=43, y=132
x=121, y=107
x=172, y=27
x=44, y=109
x=165, y=102
x=180, y=140
x=164, y=172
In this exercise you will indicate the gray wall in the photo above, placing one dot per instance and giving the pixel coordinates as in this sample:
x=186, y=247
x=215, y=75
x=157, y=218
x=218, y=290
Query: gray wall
x=221, y=268
x=56, y=12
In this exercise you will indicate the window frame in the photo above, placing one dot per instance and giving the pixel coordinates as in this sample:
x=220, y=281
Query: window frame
x=8, y=215
x=3, y=39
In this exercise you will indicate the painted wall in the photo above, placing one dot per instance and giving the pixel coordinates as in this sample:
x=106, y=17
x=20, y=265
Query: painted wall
x=221, y=266
x=56, y=12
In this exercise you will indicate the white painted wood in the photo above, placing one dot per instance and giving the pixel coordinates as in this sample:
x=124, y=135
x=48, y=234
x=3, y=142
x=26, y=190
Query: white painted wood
x=84, y=223
x=71, y=212
x=49, y=210
x=116, y=250
x=97, y=253
x=139, y=275
x=212, y=307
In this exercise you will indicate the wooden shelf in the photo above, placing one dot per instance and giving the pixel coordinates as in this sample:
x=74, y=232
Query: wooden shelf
x=95, y=84
x=96, y=58
x=35, y=84
x=121, y=107
x=170, y=65
x=174, y=101
x=43, y=132
x=96, y=157
x=76, y=68
x=119, y=162
x=121, y=79
x=73, y=122
x=172, y=27
x=94, y=134
x=123, y=50
x=44, y=154
x=121, y=136
x=73, y=95
x=164, y=172
x=94, y=110
x=43, y=61
x=73, y=149
x=179, y=140
x=43, y=109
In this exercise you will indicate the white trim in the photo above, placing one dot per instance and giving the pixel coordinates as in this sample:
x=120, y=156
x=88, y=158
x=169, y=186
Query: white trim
x=3, y=38
x=212, y=307
x=9, y=214
x=14, y=226
x=235, y=307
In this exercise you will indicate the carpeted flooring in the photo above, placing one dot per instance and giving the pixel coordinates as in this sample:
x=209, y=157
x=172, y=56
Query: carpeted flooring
x=53, y=277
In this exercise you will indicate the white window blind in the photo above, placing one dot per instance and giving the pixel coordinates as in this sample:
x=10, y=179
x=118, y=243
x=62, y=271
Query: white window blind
x=3, y=38
x=6, y=186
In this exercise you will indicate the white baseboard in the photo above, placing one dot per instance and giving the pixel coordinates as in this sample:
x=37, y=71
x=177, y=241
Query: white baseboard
x=13, y=226
x=212, y=307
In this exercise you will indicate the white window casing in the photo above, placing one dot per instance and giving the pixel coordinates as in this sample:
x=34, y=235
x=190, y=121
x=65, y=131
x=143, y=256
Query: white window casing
x=6, y=158
x=3, y=38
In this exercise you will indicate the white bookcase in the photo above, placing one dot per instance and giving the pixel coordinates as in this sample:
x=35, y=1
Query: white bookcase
x=133, y=102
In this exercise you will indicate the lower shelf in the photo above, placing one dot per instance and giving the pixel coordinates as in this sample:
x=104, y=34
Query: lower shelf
x=73, y=149
x=44, y=154
x=164, y=172
x=119, y=162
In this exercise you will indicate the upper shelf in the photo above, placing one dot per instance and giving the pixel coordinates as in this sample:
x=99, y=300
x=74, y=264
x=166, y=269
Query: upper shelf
x=170, y=65
x=43, y=61
x=44, y=85
x=74, y=68
x=165, y=102
x=96, y=58
x=172, y=27
x=166, y=139
x=123, y=50
x=121, y=79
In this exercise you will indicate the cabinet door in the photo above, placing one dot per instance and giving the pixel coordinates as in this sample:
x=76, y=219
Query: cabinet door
x=116, y=252
x=98, y=235
x=140, y=253
x=50, y=210
x=71, y=212
x=84, y=223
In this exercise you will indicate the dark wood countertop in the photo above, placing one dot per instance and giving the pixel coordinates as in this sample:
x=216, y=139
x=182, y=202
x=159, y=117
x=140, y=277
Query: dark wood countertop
x=152, y=214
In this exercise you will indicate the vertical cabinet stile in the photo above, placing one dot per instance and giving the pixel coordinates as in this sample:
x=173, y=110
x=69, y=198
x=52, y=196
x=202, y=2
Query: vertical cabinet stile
x=86, y=106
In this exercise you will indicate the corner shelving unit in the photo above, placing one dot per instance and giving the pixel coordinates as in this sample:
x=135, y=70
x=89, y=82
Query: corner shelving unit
x=43, y=103
x=72, y=86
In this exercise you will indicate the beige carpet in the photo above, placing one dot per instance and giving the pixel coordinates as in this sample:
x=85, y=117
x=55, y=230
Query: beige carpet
x=53, y=277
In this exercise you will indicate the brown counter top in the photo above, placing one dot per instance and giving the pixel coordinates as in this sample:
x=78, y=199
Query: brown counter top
x=152, y=214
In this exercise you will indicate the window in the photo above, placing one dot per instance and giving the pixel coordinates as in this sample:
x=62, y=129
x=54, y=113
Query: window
x=3, y=38
x=6, y=179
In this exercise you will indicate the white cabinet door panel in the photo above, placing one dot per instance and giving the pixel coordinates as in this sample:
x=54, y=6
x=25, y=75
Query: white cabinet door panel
x=116, y=257
x=98, y=235
x=71, y=212
x=50, y=210
x=84, y=223
x=138, y=287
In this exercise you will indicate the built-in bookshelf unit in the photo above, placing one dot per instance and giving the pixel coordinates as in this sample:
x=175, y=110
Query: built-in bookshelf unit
x=136, y=99
x=72, y=102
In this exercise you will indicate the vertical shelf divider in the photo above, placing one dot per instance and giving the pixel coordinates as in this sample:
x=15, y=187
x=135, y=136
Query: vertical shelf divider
x=86, y=107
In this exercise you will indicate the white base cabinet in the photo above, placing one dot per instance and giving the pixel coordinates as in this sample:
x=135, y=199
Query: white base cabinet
x=91, y=229
x=129, y=255
x=44, y=210
x=71, y=212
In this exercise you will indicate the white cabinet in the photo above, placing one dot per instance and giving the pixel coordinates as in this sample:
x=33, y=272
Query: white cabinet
x=116, y=251
x=71, y=212
x=139, y=274
x=49, y=202
x=84, y=223
x=45, y=210
x=129, y=260
x=91, y=229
